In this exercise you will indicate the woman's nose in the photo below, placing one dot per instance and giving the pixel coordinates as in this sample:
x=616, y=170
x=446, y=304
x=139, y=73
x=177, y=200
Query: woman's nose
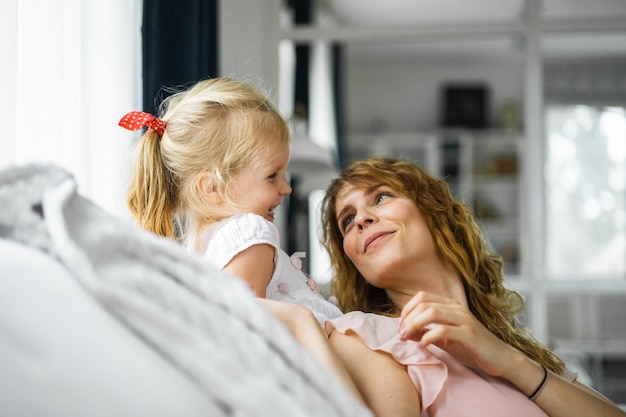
x=364, y=218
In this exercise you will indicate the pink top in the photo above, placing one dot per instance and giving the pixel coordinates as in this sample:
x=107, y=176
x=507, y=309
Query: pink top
x=447, y=387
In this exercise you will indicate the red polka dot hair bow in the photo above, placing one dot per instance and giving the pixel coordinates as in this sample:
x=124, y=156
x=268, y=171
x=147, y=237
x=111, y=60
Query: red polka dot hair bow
x=135, y=120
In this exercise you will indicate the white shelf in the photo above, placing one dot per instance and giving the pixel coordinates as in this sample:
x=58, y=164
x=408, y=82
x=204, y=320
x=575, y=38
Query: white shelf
x=419, y=147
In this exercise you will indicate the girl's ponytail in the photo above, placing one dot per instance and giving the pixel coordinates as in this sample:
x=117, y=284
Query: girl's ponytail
x=151, y=194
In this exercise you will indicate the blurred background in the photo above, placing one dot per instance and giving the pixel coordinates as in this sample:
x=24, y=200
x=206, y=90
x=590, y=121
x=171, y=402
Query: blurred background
x=519, y=104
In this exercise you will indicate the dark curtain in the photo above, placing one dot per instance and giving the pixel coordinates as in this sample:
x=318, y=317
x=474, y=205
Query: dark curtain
x=180, y=46
x=338, y=93
x=296, y=205
x=302, y=12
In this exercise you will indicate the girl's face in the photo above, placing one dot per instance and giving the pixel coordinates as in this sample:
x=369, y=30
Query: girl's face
x=385, y=235
x=261, y=186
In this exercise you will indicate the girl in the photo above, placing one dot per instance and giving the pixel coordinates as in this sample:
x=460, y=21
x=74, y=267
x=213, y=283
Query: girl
x=436, y=322
x=210, y=173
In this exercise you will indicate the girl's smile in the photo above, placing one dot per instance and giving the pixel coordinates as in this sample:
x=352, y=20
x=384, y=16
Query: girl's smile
x=262, y=186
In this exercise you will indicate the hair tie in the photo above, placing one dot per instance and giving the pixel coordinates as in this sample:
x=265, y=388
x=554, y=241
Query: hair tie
x=135, y=120
x=541, y=386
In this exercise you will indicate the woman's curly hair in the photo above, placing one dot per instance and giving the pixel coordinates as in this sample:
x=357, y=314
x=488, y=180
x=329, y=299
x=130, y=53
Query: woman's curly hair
x=457, y=238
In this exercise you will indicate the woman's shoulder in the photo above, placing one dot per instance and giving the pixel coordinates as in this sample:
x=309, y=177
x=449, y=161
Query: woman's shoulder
x=374, y=329
x=446, y=386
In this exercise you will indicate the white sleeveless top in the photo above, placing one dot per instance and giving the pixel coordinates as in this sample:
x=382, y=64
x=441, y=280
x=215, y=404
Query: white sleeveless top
x=220, y=242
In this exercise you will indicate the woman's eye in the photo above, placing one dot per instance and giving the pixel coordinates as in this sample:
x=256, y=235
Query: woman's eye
x=382, y=196
x=346, y=222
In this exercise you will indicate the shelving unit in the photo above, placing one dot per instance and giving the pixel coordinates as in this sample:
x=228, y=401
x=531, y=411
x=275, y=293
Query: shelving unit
x=420, y=147
x=490, y=181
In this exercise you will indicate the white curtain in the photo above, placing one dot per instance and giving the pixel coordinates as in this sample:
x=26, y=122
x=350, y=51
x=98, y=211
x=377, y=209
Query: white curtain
x=71, y=69
x=322, y=123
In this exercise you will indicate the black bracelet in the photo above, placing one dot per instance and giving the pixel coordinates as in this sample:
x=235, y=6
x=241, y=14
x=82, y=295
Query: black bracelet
x=541, y=386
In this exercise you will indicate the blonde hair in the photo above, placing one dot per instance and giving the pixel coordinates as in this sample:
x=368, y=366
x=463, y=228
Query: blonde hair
x=458, y=239
x=214, y=129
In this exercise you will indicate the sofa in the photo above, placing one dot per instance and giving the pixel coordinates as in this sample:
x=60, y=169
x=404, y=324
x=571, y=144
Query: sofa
x=101, y=318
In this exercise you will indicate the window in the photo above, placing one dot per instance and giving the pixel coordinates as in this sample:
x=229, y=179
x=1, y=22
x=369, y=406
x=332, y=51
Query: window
x=70, y=78
x=585, y=192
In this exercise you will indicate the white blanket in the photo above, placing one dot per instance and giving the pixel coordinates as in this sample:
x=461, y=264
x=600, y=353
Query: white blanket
x=204, y=322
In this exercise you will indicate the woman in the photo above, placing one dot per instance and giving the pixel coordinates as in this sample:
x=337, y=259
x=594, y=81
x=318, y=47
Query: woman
x=434, y=322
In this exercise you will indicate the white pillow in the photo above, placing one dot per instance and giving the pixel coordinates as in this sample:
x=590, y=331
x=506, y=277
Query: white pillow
x=62, y=354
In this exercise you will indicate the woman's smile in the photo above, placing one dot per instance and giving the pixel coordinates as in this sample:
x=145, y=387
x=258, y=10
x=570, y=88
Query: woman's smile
x=383, y=231
x=374, y=240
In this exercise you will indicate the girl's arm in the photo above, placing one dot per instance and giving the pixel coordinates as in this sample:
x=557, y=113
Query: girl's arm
x=254, y=265
x=384, y=383
x=306, y=330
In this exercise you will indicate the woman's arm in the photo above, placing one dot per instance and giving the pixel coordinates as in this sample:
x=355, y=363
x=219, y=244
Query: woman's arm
x=384, y=383
x=559, y=397
x=254, y=265
x=431, y=319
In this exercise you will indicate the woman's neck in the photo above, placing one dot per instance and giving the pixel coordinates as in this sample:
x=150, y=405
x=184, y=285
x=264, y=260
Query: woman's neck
x=437, y=278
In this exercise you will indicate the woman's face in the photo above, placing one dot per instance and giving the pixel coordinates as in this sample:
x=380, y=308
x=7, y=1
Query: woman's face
x=385, y=235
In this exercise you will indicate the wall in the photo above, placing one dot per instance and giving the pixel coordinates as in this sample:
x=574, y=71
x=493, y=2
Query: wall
x=248, y=42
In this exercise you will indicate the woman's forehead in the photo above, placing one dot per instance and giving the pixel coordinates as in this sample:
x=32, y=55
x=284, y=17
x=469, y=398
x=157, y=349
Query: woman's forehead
x=365, y=185
x=349, y=191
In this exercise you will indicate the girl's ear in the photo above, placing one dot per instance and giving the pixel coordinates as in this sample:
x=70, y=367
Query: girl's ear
x=209, y=188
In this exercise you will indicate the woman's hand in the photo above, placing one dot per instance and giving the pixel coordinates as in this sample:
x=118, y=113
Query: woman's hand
x=449, y=325
x=430, y=319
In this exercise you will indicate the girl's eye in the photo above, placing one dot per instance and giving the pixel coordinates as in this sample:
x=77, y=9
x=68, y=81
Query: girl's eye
x=272, y=176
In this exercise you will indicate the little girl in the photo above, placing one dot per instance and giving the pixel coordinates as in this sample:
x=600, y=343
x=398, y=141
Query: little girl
x=210, y=172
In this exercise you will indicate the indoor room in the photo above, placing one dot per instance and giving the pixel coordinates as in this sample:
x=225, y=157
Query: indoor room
x=519, y=105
